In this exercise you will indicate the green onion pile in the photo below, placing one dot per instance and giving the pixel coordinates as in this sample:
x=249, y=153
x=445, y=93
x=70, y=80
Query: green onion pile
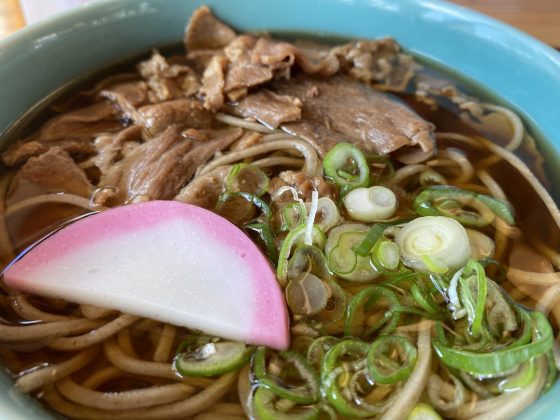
x=395, y=311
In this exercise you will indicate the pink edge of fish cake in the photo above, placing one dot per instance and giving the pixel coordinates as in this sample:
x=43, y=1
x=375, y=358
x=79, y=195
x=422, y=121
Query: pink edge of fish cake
x=270, y=319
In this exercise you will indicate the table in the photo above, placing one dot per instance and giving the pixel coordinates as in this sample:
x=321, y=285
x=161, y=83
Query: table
x=540, y=18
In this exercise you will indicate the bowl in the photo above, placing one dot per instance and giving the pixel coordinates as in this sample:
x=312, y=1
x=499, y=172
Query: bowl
x=516, y=69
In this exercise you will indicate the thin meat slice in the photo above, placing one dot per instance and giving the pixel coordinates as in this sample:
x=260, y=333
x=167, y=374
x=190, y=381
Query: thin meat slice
x=202, y=151
x=303, y=184
x=244, y=69
x=340, y=109
x=135, y=92
x=109, y=146
x=53, y=171
x=151, y=171
x=168, y=78
x=377, y=62
x=184, y=112
x=269, y=108
x=204, y=31
x=72, y=131
x=160, y=167
x=204, y=191
x=244, y=74
x=213, y=83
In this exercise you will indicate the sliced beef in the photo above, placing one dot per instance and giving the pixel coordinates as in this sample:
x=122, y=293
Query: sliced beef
x=135, y=93
x=340, y=109
x=205, y=190
x=278, y=56
x=244, y=69
x=127, y=97
x=204, y=31
x=160, y=167
x=303, y=184
x=168, y=79
x=213, y=83
x=72, y=131
x=109, y=146
x=22, y=151
x=158, y=66
x=251, y=61
x=202, y=151
x=52, y=172
x=378, y=62
x=316, y=58
x=157, y=117
x=242, y=75
x=269, y=108
x=184, y=112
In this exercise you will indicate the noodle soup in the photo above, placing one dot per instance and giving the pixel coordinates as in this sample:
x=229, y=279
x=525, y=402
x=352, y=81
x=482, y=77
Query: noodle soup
x=410, y=241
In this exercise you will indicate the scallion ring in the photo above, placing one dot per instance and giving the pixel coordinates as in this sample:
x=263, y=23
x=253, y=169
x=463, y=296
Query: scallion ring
x=385, y=370
x=295, y=237
x=371, y=204
x=434, y=244
x=212, y=359
x=502, y=360
x=467, y=207
x=347, y=166
x=266, y=407
x=244, y=177
x=307, y=393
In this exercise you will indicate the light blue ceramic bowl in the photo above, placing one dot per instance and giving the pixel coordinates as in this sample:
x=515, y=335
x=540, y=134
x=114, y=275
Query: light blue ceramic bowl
x=519, y=70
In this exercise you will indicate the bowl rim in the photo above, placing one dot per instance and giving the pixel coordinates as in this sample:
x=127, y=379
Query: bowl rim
x=446, y=6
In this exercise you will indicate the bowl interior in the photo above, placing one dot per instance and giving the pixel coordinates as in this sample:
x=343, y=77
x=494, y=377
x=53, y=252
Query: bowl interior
x=518, y=70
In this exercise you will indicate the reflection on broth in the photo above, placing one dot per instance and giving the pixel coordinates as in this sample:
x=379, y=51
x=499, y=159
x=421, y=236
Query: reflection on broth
x=412, y=299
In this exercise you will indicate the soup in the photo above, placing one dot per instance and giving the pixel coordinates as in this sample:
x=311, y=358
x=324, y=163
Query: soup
x=410, y=242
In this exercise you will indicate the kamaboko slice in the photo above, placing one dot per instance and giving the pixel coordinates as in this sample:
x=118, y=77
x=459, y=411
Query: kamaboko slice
x=164, y=260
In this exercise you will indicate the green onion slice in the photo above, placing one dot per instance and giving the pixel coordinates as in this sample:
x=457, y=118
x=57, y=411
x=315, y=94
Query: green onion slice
x=342, y=258
x=278, y=382
x=366, y=300
x=371, y=238
x=375, y=234
x=382, y=368
x=474, y=278
x=519, y=380
x=244, y=177
x=267, y=238
x=267, y=406
x=467, y=207
x=257, y=201
x=386, y=255
x=347, y=166
x=341, y=364
x=425, y=300
x=502, y=360
x=293, y=214
x=212, y=358
x=308, y=259
x=319, y=348
x=295, y=237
